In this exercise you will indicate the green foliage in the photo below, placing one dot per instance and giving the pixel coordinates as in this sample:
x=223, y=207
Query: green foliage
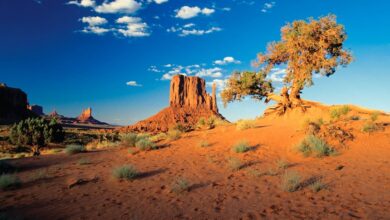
x=36, y=133
x=127, y=172
x=145, y=144
x=291, y=181
x=9, y=181
x=241, y=84
x=311, y=145
x=337, y=112
x=158, y=137
x=129, y=139
x=241, y=147
x=109, y=136
x=180, y=185
x=245, y=124
x=74, y=149
x=317, y=186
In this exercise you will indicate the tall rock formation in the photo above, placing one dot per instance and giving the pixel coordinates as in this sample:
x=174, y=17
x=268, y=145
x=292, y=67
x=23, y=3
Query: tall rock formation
x=13, y=105
x=188, y=102
x=86, y=114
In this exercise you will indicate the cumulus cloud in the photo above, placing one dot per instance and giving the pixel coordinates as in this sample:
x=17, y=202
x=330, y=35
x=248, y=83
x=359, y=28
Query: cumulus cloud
x=94, y=21
x=211, y=72
x=187, y=12
x=227, y=60
x=277, y=75
x=154, y=69
x=134, y=27
x=267, y=6
x=160, y=1
x=133, y=83
x=95, y=30
x=82, y=3
x=118, y=6
x=188, y=29
x=220, y=83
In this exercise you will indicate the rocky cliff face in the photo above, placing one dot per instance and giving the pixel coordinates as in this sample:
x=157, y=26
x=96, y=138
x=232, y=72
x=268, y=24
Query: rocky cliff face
x=190, y=92
x=86, y=114
x=188, y=102
x=13, y=105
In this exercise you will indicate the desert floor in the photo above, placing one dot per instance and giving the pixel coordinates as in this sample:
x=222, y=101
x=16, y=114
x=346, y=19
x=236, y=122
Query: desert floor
x=358, y=180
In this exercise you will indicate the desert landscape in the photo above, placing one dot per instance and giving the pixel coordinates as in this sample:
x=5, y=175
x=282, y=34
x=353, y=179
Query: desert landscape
x=296, y=159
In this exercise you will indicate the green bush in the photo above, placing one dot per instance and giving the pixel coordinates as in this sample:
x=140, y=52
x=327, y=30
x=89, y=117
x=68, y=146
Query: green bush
x=370, y=127
x=145, y=144
x=180, y=185
x=127, y=172
x=374, y=116
x=158, y=137
x=74, y=149
x=36, y=133
x=317, y=186
x=235, y=164
x=311, y=145
x=291, y=181
x=173, y=134
x=8, y=181
x=245, y=124
x=337, y=112
x=241, y=147
x=129, y=139
x=109, y=136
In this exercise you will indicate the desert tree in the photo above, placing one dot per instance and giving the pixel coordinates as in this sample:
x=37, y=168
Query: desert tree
x=306, y=48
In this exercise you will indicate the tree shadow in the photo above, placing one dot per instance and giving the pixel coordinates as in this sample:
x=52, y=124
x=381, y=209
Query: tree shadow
x=309, y=181
x=151, y=173
x=198, y=186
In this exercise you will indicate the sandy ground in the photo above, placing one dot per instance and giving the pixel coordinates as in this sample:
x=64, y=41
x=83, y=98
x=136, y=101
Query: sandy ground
x=360, y=190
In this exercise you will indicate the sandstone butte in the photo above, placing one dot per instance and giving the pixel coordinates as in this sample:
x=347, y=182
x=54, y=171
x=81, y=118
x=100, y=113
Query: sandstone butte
x=188, y=102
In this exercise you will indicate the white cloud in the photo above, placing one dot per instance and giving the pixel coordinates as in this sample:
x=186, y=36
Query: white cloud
x=154, y=69
x=82, y=3
x=187, y=30
x=94, y=21
x=267, y=6
x=220, y=83
x=134, y=27
x=212, y=72
x=227, y=60
x=189, y=25
x=95, y=30
x=160, y=1
x=119, y=6
x=187, y=12
x=133, y=83
x=277, y=75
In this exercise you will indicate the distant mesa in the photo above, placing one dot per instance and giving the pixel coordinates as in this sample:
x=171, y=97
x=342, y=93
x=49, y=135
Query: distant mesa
x=37, y=109
x=13, y=105
x=188, y=102
x=85, y=118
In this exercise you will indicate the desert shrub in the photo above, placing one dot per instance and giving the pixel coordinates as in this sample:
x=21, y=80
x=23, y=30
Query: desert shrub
x=272, y=172
x=109, y=136
x=84, y=161
x=180, y=127
x=180, y=185
x=174, y=134
x=127, y=172
x=370, y=127
x=245, y=124
x=291, y=181
x=203, y=143
x=241, y=147
x=36, y=133
x=374, y=116
x=312, y=126
x=282, y=164
x=317, y=186
x=129, y=139
x=74, y=149
x=101, y=145
x=235, y=164
x=337, y=112
x=9, y=181
x=201, y=123
x=39, y=175
x=5, y=167
x=355, y=118
x=158, y=137
x=311, y=145
x=255, y=173
x=145, y=144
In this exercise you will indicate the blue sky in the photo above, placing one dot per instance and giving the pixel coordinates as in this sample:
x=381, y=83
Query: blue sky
x=117, y=55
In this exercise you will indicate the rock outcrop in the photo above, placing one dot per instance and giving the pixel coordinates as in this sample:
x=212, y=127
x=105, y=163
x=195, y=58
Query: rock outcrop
x=188, y=102
x=85, y=118
x=13, y=105
x=86, y=115
x=37, y=109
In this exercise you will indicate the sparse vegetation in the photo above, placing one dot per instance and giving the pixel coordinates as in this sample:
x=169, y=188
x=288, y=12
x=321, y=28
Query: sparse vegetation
x=36, y=133
x=180, y=185
x=291, y=181
x=84, y=161
x=337, y=112
x=74, y=149
x=235, y=163
x=317, y=186
x=256, y=173
x=312, y=145
x=355, y=118
x=158, y=137
x=174, y=134
x=370, y=127
x=374, y=116
x=282, y=164
x=245, y=124
x=39, y=175
x=312, y=126
x=9, y=181
x=127, y=172
x=203, y=143
x=129, y=139
x=241, y=147
x=145, y=144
